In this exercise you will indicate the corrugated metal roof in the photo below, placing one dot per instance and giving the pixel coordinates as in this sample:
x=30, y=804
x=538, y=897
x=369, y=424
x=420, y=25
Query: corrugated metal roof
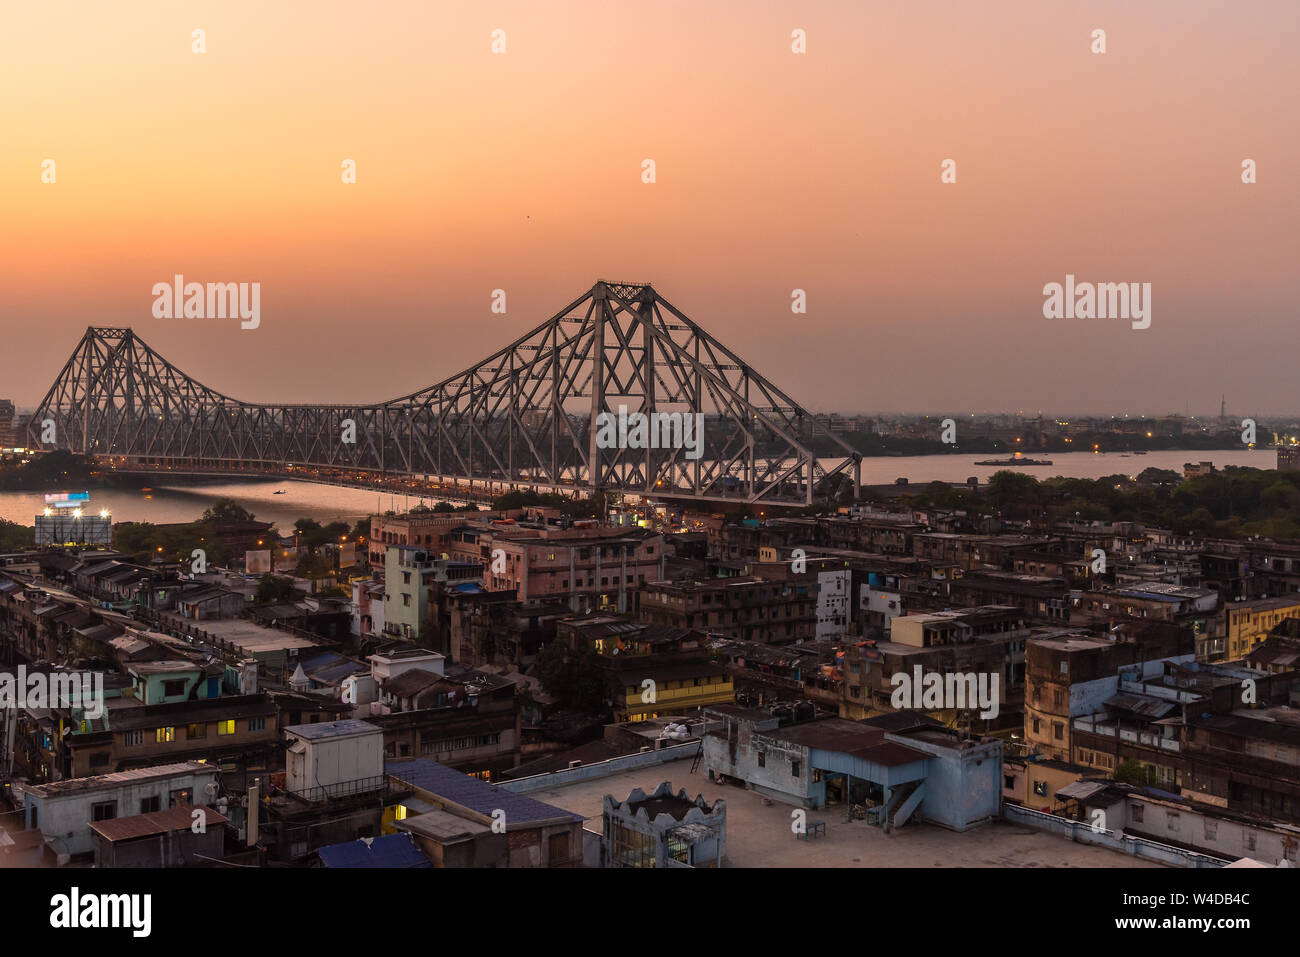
x=177, y=818
x=1081, y=790
x=1139, y=705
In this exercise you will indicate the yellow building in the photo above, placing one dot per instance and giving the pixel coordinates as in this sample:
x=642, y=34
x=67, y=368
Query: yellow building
x=1249, y=622
x=651, y=691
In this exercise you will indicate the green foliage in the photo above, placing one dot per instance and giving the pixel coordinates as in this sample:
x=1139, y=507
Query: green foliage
x=1234, y=502
x=574, y=678
x=46, y=471
x=314, y=566
x=227, y=510
x=574, y=508
x=274, y=588
x=1131, y=772
x=14, y=536
x=1012, y=488
x=312, y=534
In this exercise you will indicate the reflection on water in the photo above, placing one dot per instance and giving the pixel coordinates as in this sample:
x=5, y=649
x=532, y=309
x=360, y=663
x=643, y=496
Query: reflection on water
x=327, y=503
x=185, y=503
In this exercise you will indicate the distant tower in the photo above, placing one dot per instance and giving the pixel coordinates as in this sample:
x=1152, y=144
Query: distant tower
x=1223, y=408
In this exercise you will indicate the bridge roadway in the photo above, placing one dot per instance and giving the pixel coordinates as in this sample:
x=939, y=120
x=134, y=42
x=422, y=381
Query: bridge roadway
x=480, y=492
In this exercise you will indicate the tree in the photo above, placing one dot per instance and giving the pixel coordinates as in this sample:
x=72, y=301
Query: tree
x=1155, y=476
x=14, y=536
x=574, y=678
x=274, y=588
x=1131, y=772
x=227, y=510
x=1013, y=488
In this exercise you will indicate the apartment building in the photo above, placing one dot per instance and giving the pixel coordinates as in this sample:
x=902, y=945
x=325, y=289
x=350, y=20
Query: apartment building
x=745, y=608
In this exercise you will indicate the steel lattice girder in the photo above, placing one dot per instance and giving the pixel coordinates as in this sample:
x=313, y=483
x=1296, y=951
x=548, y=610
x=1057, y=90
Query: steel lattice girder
x=526, y=415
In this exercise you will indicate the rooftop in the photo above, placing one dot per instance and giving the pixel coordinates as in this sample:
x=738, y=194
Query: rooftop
x=177, y=818
x=392, y=850
x=332, y=729
x=117, y=779
x=759, y=835
x=474, y=795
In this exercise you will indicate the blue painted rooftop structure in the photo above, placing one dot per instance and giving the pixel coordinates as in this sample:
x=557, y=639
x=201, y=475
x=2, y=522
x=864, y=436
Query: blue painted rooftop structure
x=393, y=850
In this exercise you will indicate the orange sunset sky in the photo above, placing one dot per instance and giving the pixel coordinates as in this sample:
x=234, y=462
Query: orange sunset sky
x=775, y=171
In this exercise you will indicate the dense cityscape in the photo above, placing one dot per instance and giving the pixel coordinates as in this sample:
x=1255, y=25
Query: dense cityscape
x=985, y=670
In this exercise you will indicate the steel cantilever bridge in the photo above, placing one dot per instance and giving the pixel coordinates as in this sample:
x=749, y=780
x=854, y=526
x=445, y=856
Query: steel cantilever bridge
x=526, y=416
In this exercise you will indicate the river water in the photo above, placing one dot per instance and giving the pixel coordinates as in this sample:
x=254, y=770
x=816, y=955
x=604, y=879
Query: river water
x=176, y=502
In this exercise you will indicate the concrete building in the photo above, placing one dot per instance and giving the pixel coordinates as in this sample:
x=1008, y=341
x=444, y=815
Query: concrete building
x=1164, y=818
x=893, y=767
x=1073, y=674
x=592, y=568
x=1247, y=623
x=181, y=836
x=663, y=829
x=333, y=758
x=65, y=810
x=535, y=834
x=745, y=608
x=408, y=572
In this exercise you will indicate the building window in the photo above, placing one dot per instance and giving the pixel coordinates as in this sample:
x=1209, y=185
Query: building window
x=1135, y=813
x=165, y=735
x=762, y=759
x=104, y=811
x=196, y=731
x=226, y=727
x=132, y=738
x=174, y=688
x=256, y=724
x=794, y=769
x=150, y=804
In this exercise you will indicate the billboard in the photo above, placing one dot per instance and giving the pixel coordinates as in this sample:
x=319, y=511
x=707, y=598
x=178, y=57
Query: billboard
x=64, y=529
x=67, y=499
x=257, y=562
